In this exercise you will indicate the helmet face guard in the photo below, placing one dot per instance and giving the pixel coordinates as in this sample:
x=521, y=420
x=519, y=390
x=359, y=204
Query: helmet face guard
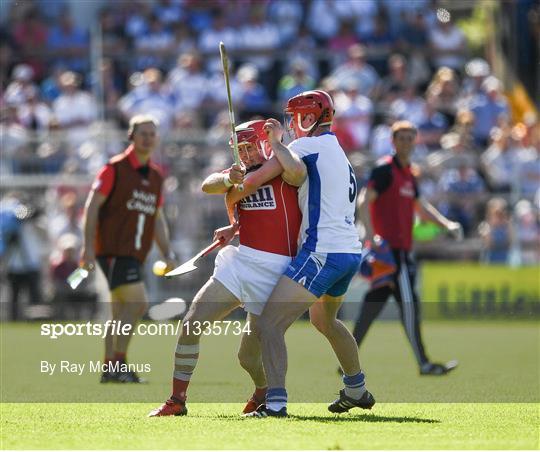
x=317, y=102
x=253, y=145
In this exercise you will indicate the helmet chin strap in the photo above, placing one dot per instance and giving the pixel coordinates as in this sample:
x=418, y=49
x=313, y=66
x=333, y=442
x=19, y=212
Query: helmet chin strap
x=309, y=130
x=300, y=126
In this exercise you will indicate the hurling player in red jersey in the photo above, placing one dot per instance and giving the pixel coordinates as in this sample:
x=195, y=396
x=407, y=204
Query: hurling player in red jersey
x=268, y=223
x=123, y=216
x=387, y=208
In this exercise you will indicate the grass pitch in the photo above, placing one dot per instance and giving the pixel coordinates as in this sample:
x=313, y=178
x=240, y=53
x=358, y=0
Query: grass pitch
x=489, y=402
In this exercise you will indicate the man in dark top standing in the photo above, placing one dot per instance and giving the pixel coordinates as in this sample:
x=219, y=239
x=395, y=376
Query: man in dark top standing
x=123, y=216
x=387, y=207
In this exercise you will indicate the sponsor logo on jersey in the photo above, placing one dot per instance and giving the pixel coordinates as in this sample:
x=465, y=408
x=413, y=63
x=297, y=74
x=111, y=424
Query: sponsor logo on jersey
x=142, y=201
x=262, y=199
x=407, y=190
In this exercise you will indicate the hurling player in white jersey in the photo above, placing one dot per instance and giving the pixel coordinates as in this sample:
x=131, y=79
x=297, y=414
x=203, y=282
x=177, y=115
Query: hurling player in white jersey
x=243, y=275
x=318, y=277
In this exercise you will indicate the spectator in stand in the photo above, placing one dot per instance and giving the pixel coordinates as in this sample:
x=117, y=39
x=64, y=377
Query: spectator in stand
x=136, y=21
x=185, y=39
x=443, y=92
x=409, y=105
x=355, y=113
x=24, y=251
x=148, y=97
x=296, y=81
x=65, y=217
x=414, y=36
x=395, y=82
x=363, y=13
x=254, y=98
x=462, y=189
x=109, y=86
x=260, y=39
x=413, y=41
x=210, y=38
x=323, y=20
x=304, y=47
x=30, y=35
x=528, y=158
x=381, y=137
x=447, y=42
x=69, y=45
x=288, y=14
x=15, y=139
x=500, y=161
x=380, y=42
x=339, y=44
x=50, y=87
x=432, y=128
x=169, y=12
x=113, y=38
x=74, y=110
x=476, y=71
x=496, y=232
x=356, y=69
x=154, y=46
x=463, y=127
x=527, y=232
x=17, y=91
x=34, y=114
x=188, y=84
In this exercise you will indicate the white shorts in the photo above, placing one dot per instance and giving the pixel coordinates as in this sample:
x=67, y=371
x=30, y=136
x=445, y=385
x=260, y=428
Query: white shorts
x=249, y=274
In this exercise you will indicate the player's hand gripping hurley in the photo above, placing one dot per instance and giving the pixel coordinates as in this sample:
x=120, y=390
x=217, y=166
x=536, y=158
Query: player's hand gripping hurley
x=225, y=65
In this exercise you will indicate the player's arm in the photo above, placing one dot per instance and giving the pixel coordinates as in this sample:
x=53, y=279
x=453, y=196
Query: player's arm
x=428, y=212
x=294, y=169
x=162, y=238
x=90, y=219
x=268, y=171
x=367, y=195
x=219, y=183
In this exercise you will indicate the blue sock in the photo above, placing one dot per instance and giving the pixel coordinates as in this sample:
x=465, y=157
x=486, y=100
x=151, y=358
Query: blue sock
x=354, y=385
x=276, y=398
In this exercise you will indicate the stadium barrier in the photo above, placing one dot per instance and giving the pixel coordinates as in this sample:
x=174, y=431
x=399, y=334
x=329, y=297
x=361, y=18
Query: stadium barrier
x=472, y=290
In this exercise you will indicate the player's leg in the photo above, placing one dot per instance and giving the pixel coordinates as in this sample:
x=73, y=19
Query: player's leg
x=213, y=302
x=323, y=315
x=408, y=304
x=249, y=356
x=288, y=301
x=373, y=304
x=131, y=302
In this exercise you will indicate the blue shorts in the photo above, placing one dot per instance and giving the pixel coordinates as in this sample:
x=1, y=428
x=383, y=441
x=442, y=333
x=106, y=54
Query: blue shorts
x=324, y=273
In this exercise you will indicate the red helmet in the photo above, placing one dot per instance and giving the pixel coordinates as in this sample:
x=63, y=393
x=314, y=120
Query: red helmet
x=317, y=102
x=252, y=136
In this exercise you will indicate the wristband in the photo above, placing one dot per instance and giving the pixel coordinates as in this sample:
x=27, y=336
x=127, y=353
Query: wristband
x=227, y=181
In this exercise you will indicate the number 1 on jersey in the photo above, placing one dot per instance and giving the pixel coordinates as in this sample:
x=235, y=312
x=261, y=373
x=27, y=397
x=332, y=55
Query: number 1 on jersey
x=140, y=230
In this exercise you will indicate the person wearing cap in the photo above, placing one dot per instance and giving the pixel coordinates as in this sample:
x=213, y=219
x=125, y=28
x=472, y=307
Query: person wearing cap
x=387, y=208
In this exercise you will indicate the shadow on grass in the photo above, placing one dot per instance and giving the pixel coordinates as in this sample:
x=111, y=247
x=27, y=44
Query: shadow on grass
x=366, y=418
x=344, y=418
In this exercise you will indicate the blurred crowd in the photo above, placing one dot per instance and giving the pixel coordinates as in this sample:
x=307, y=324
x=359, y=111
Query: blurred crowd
x=67, y=92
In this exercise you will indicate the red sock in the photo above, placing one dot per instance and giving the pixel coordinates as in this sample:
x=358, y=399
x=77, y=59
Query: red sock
x=260, y=393
x=108, y=360
x=179, y=388
x=119, y=356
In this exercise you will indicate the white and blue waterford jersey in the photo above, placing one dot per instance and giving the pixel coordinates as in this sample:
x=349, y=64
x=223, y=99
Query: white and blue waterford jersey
x=327, y=198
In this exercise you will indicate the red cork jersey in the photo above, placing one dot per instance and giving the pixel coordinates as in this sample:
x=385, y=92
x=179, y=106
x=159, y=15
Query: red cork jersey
x=392, y=212
x=270, y=218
